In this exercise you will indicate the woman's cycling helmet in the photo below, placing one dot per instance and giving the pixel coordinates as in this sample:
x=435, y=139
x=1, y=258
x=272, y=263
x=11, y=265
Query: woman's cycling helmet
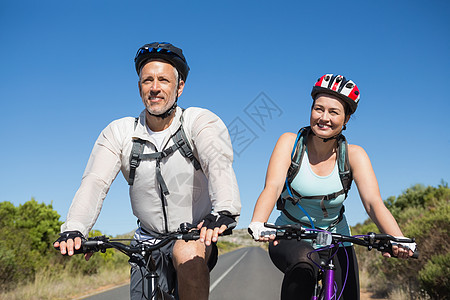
x=338, y=86
x=165, y=51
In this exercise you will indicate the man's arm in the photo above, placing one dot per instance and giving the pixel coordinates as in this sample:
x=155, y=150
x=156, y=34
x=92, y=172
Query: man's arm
x=213, y=144
x=101, y=170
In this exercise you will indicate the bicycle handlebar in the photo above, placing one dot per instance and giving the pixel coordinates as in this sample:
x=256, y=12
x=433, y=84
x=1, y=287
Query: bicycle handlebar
x=100, y=243
x=379, y=241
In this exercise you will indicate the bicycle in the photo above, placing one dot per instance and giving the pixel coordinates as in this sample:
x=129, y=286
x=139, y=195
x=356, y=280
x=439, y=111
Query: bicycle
x=186, y=232
x=326, y=288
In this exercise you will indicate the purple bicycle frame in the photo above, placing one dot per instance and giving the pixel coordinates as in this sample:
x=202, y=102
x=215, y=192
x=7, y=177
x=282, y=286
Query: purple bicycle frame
x=327, y=285
x=329, y=278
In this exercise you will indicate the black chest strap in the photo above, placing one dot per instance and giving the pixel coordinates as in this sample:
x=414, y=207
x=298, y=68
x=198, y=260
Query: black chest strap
x=180, y=143
x=333, y=224
x=297, y=198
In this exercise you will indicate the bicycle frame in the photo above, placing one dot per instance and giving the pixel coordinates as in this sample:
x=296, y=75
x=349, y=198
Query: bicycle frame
x=328, y=289
x=154, y=292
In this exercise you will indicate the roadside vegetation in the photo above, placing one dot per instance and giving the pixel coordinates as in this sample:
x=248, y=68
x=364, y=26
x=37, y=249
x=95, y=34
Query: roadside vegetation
x=31, y=269
x=424, y=213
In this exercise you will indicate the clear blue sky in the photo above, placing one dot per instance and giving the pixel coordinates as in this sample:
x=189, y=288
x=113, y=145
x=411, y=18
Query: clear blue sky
x=66, y=70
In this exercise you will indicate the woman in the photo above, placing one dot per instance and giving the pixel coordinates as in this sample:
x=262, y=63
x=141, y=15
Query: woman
x=334, y=100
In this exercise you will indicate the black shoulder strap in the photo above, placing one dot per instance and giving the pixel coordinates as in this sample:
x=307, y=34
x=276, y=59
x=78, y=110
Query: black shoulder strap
x=343, y=162
x=296, y=160
x=297, y=153
x=135, y=156
x=180, y=139
x=180, y=142
x=345, y=173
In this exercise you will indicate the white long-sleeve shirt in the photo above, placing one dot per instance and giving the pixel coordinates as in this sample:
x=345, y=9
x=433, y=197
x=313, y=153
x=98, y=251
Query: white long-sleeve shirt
x=193, y=193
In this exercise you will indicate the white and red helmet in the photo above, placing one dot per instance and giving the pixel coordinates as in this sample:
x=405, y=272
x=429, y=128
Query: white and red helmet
x=338, y=86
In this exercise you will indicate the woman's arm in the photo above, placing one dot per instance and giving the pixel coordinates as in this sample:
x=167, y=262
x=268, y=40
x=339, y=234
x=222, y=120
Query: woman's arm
x=369, y=193
x=275, y=178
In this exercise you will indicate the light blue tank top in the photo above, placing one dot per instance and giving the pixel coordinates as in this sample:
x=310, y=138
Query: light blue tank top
x=307, y=183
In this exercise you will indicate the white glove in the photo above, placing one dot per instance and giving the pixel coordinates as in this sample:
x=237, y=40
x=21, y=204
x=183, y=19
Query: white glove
x=257, y=230
x=410, y=246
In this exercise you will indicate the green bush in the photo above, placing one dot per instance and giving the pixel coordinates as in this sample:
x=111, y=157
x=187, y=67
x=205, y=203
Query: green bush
x=435, y=276
x=26, y=246
x=25, y=243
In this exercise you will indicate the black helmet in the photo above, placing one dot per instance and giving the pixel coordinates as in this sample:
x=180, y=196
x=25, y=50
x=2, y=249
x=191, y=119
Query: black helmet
x=165, y=51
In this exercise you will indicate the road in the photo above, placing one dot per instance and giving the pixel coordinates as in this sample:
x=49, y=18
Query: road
x=246, y=273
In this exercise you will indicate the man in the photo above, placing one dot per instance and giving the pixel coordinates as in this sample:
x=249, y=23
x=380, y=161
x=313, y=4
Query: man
x=171, y=185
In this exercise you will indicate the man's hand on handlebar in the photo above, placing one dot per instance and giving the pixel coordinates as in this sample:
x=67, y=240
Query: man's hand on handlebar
x=215, y=224
x=68, y=242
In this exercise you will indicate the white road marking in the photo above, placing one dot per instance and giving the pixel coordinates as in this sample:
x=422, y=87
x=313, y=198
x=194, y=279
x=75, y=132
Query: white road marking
x=226, y=272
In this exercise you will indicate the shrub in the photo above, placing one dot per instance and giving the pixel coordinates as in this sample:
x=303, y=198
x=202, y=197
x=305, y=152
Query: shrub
x=25, y=242
x=423, y=213
x=435, y=276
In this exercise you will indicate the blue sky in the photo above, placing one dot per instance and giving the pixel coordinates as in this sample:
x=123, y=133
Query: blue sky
x=67, y=71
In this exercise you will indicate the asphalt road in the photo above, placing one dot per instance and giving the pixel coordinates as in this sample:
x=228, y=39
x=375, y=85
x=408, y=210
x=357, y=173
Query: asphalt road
x=246, y=273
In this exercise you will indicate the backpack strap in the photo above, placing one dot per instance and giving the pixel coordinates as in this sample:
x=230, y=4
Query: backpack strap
x=296, y=160
x=345, y=173
x=180, y=139
x=180, y=143
x=298, y=152
x=334, y=223
x=135, y=156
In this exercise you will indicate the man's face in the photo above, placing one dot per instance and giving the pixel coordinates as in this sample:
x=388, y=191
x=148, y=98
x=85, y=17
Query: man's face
x=158, y=82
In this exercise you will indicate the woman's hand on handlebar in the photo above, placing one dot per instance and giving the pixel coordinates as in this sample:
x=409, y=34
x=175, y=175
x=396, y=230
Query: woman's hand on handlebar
x=260, y=233
x=401, y=249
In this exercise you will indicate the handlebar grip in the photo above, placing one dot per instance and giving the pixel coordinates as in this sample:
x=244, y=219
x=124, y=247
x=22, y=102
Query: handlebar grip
x=75, y=251
x=227, y=231
x=415, y=254
x=191, y=237
x=86, y=247
x=90, y=246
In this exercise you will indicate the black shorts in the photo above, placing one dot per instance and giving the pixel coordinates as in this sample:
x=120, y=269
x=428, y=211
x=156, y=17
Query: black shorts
x=164, y=264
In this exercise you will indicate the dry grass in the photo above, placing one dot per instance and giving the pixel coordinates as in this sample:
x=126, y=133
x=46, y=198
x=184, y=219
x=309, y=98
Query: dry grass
x=67, y=286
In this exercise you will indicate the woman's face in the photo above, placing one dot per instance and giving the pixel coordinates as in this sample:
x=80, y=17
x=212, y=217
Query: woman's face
x=328, y=116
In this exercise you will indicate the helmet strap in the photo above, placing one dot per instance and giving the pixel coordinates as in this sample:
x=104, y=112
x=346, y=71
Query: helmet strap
x=331, y=138
x=167, y=113
x=337, y=136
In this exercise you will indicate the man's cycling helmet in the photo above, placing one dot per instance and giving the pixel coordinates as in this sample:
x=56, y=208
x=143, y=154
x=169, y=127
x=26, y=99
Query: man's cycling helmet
x=338, y=86
x=165, y=51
